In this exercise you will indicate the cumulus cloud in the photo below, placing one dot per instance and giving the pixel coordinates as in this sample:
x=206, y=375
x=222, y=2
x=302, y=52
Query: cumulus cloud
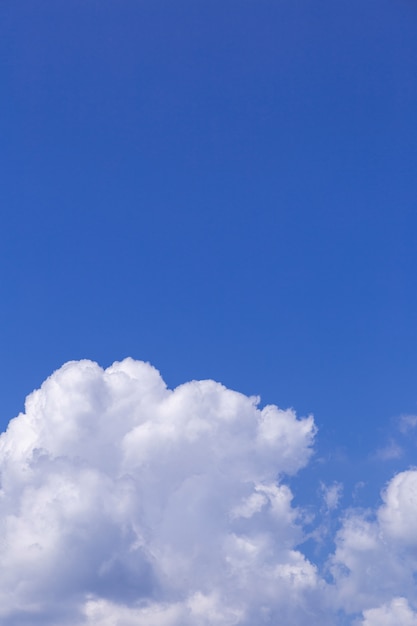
x=124, y=503
x=376, y=559
x=397, y=612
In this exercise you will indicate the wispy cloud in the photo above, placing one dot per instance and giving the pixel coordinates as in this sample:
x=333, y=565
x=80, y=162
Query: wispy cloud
x=331, y=495
x=408, y=423
x=392, y=450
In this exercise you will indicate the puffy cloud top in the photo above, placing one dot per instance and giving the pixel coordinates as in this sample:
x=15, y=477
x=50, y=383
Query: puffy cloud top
x=124, y=503
x=398, y=515
x=395, y=613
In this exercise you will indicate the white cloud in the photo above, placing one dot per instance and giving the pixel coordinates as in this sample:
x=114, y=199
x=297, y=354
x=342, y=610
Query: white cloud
x=375, y=558
x=398, y=514
x=124, y=503
x=389, y=452
x=408, y=423
x=331, y=495
x=396, y=613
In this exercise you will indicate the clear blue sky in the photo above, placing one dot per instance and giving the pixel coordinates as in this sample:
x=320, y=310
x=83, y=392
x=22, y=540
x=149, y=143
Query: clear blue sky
x=224, y=188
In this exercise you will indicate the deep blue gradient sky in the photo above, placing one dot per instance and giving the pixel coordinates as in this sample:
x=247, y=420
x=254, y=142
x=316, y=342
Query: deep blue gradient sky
x=224, y=188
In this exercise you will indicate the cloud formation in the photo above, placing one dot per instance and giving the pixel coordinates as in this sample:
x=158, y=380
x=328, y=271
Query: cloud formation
x=125, y=503
x=375, y=561
x=392, y=614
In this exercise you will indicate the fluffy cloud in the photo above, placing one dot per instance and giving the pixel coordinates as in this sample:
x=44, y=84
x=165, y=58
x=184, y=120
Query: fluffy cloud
x=397, y=612
x=376, y=557
x=124, y=502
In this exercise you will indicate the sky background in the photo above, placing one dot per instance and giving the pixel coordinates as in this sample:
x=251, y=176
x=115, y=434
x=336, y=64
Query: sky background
x=225, y=189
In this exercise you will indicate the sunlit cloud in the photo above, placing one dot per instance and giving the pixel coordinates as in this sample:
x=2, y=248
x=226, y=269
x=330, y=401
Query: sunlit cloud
x=126, y=503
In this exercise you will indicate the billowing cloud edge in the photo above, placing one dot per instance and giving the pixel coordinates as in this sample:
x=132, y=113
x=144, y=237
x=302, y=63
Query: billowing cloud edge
x=124, y=502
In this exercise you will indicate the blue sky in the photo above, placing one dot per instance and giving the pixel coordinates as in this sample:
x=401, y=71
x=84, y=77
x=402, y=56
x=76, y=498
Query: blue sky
x=226, y=190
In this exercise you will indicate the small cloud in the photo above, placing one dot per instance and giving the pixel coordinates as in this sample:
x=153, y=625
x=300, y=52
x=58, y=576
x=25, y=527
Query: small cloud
x=331, y=495
x=358, y=487
x=407, y=423
x=389, y=452
x=396, y=612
